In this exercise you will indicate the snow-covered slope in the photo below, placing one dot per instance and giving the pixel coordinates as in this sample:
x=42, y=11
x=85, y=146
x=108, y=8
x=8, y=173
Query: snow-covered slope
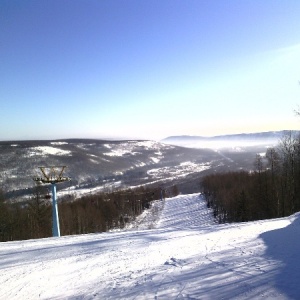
x=184, y=255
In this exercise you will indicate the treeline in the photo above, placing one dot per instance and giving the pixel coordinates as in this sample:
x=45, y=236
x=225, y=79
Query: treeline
x=94, y=213
x=271, y=190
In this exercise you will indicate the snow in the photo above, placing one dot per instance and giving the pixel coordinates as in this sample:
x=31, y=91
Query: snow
x=182, y=170
x=94, y=161
x=153, y=145
x=59, y=143
x=155, y=160
x=134, y=148
x=262, y=154
x=47, y=150
x=174, y=250
x=119, y=152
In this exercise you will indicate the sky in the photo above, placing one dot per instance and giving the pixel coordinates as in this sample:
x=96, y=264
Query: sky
x=147, y=69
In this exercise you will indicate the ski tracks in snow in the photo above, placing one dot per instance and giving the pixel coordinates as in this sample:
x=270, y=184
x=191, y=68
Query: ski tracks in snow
x=185, y=212
x=184, y=255
x=166, y=256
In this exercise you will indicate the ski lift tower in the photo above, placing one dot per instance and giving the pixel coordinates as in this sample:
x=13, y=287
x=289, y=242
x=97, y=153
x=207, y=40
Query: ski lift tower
x=53, y=175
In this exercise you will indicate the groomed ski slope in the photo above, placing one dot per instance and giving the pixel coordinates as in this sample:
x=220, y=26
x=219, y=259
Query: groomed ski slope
x=173, y=251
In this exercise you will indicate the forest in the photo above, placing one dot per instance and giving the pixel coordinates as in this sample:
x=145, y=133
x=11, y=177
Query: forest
x=89, y=214
x=271, y=190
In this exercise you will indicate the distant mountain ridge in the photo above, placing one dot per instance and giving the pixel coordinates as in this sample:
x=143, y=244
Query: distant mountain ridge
x=268, y=135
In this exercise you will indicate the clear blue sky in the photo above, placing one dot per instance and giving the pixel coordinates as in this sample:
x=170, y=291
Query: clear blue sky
x=147, y=68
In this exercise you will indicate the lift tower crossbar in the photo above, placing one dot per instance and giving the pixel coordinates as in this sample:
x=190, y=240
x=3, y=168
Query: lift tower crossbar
x=53, y=175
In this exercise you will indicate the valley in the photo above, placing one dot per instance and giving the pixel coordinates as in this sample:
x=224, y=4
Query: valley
x=102, y=165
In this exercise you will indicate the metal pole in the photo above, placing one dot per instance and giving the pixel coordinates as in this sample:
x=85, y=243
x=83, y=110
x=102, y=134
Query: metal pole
x=55, y=220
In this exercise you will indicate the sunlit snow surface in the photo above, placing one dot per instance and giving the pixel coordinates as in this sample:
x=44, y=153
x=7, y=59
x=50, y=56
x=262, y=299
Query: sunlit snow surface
x=181, y=170
x=47, y=150
x=59, y=143
x=184, y=255
x=133, y=147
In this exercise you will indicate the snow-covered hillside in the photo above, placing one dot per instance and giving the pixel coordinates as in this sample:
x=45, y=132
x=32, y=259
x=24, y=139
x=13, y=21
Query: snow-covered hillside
x=97, y=165
x=174, y=251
